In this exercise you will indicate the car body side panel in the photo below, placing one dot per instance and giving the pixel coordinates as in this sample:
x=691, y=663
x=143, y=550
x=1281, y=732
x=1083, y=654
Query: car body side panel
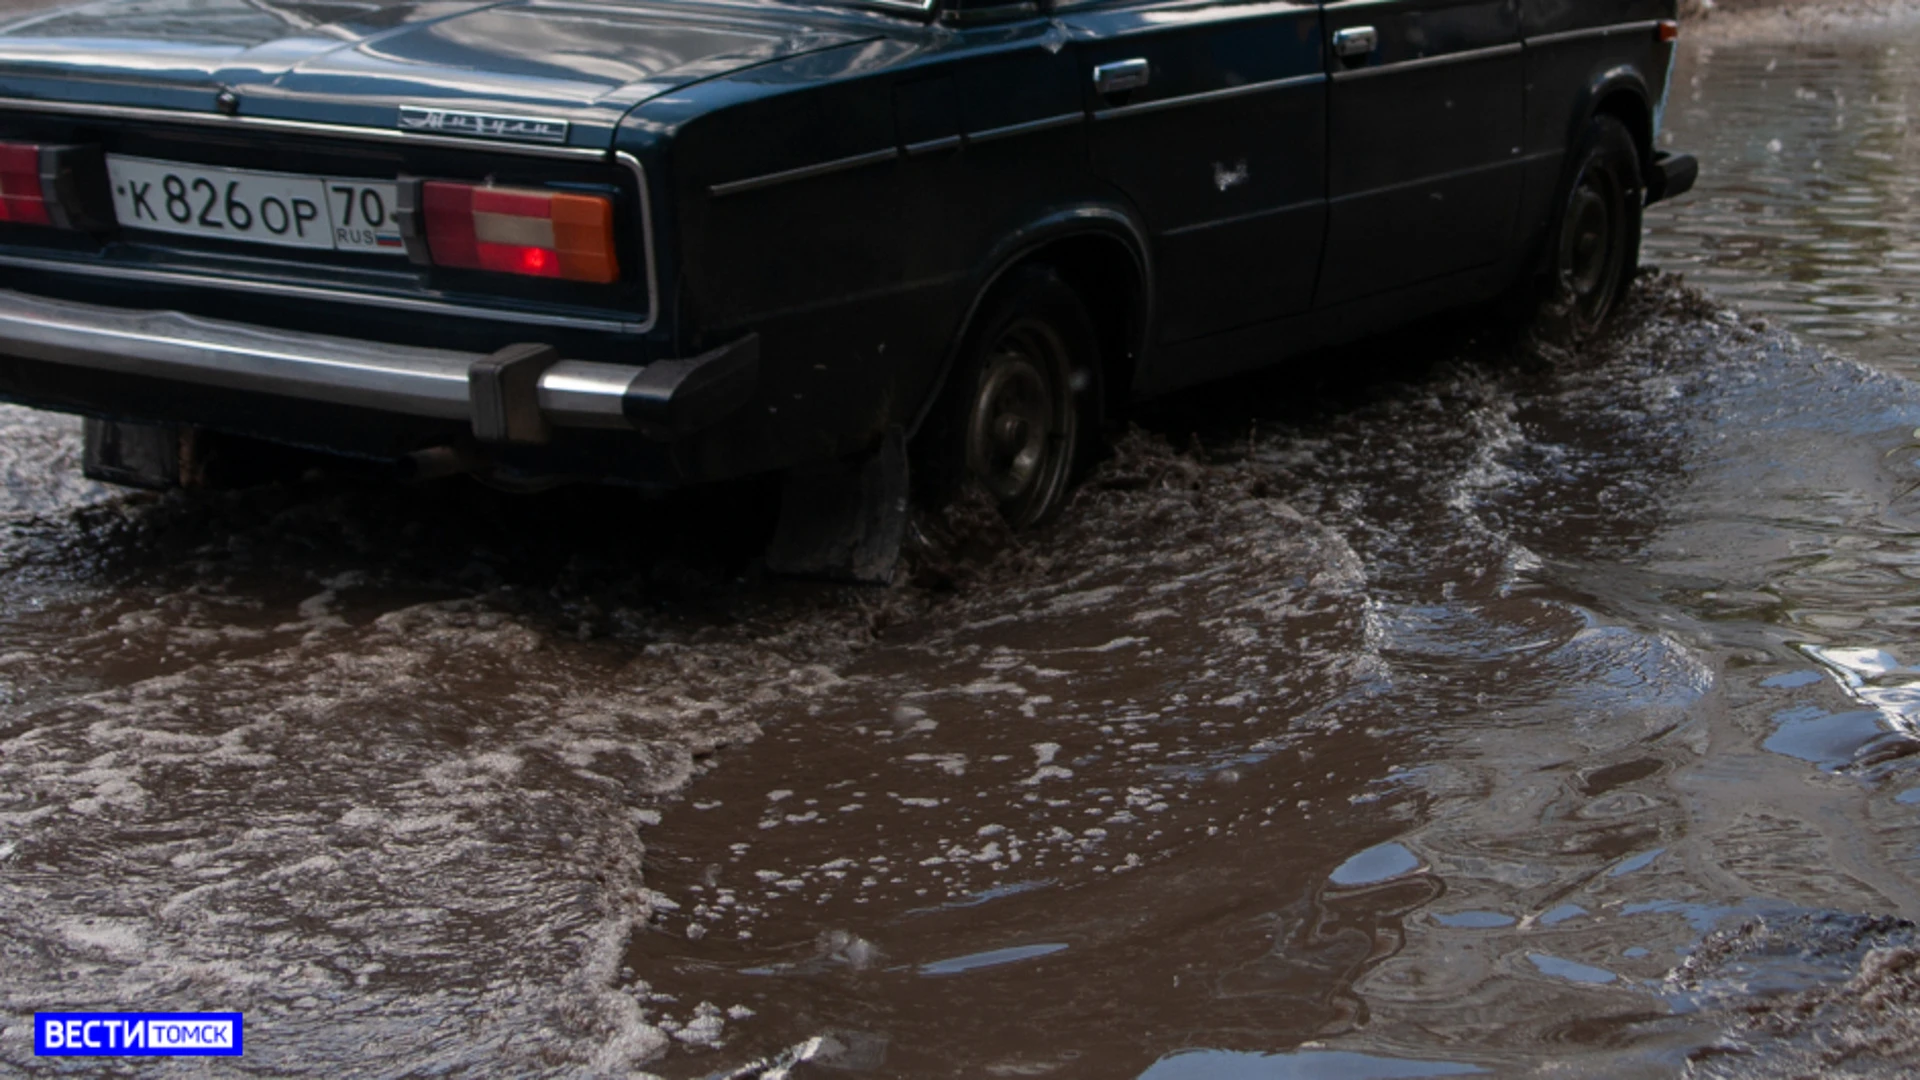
x=1573, y=52
x=1577, y=52
x=1223, y=151
x=1574, y=49
x=853, y=229
x=1427, y=132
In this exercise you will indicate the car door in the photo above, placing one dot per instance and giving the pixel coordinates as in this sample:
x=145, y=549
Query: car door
x=1426, y=119
x=1211, y=118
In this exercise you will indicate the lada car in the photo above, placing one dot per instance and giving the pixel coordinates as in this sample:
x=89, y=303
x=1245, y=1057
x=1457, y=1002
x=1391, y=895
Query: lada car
x=670, y=242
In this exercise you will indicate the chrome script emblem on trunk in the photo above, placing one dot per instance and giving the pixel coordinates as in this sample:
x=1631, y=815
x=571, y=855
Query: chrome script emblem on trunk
x=482, y=125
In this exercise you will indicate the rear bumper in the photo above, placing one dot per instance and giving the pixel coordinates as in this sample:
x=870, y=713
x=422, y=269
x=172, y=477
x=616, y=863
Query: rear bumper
x=513, y=396
x=1670, y=176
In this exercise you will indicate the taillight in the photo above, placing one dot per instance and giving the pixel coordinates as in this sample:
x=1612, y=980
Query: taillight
x=527, y=231
x=21, y=198
x=61, y=186
x=1669, y=31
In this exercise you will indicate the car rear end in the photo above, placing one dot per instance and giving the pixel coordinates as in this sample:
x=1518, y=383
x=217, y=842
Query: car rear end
x=448, y=249
x=411, y=233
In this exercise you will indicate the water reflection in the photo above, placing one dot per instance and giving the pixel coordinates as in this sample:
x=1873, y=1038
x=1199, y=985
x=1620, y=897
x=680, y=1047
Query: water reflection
x=1300, y=1065
x=1375, y=865
x=1806, y=204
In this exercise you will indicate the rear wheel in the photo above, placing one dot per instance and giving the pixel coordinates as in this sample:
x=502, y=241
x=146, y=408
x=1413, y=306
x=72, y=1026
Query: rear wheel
x=1020, y=415
x=1595, y=247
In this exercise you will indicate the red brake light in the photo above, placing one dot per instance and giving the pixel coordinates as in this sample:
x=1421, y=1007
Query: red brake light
x=61, y=186
x=21, y=198
x=527, y=231
x=1669, y=31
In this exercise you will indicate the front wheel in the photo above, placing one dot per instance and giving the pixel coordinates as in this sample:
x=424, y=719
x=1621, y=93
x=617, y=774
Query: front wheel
x=1020, y=417
x=1595, y=246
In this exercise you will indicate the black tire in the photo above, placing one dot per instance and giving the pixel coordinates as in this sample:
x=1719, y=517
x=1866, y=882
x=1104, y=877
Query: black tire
x=1594, y=250
x=1020, y=414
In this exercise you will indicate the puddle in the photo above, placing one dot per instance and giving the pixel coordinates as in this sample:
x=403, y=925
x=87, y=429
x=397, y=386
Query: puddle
x=1806, y=211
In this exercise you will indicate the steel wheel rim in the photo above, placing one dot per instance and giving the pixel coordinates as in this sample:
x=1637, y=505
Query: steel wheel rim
x=1590, y=247
x=1022, y=427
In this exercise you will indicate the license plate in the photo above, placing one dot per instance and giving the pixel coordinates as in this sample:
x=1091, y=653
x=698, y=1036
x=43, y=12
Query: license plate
x=287, y=209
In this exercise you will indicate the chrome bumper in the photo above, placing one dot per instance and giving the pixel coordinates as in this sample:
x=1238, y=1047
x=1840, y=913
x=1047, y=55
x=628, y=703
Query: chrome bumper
x=514, y=395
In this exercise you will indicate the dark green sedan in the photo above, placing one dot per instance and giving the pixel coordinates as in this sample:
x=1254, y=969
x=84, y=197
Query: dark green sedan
x=674, y=242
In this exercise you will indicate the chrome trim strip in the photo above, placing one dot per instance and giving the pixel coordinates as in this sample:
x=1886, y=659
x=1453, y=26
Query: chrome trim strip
x=581, y=393
x=804, y=172
x=314, y=292
x=1026, y=127
x=933, y=146
x=1395, y=68
x=1240, y=219
x=975, y=16
x=1645, y=26
x=1457, y=174
x=1561, y=37
x=639, y=171
x=808, y=172
x=1211, y=95
x=302, y=127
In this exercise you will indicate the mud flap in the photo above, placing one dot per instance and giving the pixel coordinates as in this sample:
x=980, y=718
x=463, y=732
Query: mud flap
x=845, y=521
x=135, y=455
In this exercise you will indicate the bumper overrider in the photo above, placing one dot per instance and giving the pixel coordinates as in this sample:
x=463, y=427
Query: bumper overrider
x=1670, y=176
x=519, y=394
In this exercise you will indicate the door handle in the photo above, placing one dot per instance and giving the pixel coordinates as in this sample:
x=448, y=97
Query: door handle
x=1355, y=41
x=1121, y=76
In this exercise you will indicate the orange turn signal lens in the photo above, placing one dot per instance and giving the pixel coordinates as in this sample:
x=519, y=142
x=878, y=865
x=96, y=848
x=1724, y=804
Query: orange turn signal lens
x=526, y=231
x=1669, y=31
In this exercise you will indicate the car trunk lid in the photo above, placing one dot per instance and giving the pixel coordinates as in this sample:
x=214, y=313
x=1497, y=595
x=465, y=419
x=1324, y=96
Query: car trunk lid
x=453, y=66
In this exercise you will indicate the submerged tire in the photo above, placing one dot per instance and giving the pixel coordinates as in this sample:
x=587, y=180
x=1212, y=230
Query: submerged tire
x=1019, y=416
x=1594, y=250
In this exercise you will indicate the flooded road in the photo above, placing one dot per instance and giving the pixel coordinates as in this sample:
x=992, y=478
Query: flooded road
x=1809, y=203
x=1484, y=714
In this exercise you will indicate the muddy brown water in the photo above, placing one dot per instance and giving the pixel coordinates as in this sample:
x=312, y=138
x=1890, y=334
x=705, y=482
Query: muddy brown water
x=1482, y=714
